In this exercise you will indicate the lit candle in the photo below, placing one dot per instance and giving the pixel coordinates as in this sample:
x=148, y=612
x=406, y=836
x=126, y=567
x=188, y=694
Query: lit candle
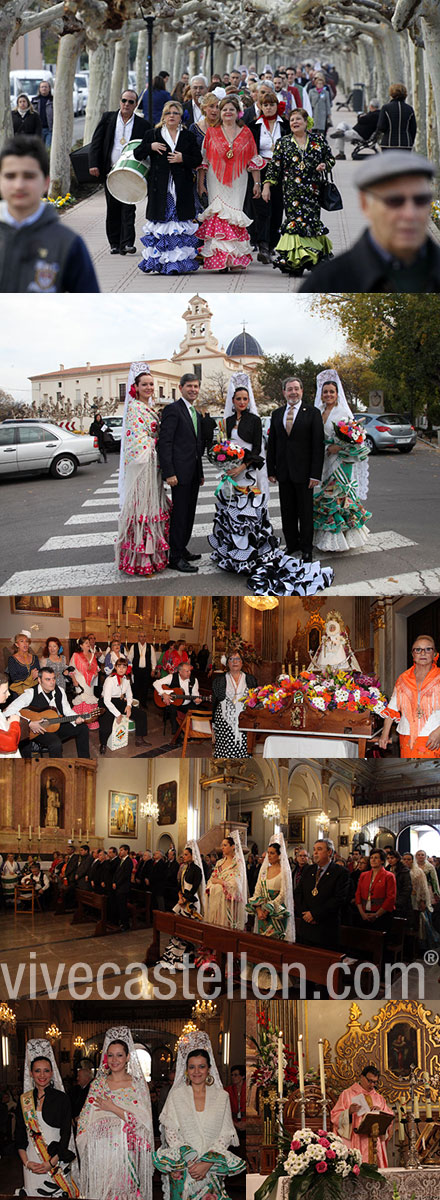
x=427, y=1096
x=118, y=617
x=321, y=1066
x=300, y=1063
x=289, y=669
x=280, y=1064
x=39, y=833
x=73, y=833
x=108, y=617
x=416, y=1112
x=87, y=835
x=19, y=832
x=30, y=831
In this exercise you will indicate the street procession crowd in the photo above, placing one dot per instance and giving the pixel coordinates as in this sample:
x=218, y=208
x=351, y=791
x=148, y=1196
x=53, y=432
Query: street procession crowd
x=233, y=166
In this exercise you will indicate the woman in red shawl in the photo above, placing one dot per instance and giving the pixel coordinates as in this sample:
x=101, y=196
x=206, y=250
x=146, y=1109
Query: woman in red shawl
x=85, y=664
x=415, y=704
x=229, y=152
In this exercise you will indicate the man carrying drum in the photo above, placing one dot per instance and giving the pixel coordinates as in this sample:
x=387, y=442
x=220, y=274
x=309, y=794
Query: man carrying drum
x=113, y=132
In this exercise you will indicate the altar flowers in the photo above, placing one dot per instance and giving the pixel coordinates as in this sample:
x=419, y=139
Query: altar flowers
x=318, y=1162
x=330, y=689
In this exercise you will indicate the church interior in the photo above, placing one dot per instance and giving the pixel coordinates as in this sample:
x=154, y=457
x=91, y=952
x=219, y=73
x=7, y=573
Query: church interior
x=162, y=619
x=161, y=805
x=334, y=1044
x=76, y=1032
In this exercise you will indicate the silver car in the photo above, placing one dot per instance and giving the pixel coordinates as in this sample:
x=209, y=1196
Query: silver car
x=387, y=431
x=34, y=445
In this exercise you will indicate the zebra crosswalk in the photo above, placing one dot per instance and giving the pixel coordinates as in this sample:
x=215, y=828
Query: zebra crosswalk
x=82, y=556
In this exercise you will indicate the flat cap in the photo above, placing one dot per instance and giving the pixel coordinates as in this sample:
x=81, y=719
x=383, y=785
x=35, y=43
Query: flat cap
x=390, y=163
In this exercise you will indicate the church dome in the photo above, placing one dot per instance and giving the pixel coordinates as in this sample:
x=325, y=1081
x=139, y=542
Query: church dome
x=244, y=346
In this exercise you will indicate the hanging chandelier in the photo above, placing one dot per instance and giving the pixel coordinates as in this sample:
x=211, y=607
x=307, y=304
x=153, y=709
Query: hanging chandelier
x=204, y=1010
x=271, y=811
x=7, y=1016
x=355, y=827
x=78, y=1042
x=323, y=819
x=53, y=1033
x=190, y=1027
x=262, y=603
x=149, y=808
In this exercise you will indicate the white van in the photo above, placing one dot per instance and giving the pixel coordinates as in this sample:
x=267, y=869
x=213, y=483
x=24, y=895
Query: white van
x=28, y=82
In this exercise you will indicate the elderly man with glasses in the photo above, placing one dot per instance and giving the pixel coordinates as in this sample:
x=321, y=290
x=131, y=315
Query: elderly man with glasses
x=350, y=1109
x=112, y=133
x=395, y=252
x=415, y=705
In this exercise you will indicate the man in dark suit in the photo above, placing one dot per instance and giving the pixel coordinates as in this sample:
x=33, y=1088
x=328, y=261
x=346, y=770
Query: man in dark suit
x=295, y=456
x=112, y=133
x=68, y=882
x=180, y=448
x=321, y=895
x=121, y=886
x=83, y=869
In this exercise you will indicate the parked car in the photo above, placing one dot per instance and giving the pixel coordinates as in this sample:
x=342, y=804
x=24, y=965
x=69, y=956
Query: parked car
x=113, y=438
x=82, y=83
x=387, y=431
x=28, y=82
x=33, y=446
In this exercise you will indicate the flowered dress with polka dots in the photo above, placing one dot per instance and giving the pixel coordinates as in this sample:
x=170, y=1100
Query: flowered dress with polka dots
x=303, y=241
x=224, y=224
x=142, y=545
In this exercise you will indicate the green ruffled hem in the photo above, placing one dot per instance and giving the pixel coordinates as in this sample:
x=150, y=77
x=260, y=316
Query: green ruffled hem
x=329, y=517
x=295, y=251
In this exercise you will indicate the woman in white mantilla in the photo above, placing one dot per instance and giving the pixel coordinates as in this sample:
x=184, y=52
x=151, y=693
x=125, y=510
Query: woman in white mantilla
x=142, y=545
x=43, y=1133
x=272, y=901
x=115, y=1129
x=226, y=889
x=191, y=903
x=196, y=1127
x=339, y=518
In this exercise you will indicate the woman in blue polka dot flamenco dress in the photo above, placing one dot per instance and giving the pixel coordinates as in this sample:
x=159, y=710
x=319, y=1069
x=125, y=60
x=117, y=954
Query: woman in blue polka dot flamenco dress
x=170, y=242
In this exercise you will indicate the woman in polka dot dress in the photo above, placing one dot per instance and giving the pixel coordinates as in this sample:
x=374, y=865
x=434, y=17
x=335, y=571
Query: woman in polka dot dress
x=142, y=545
x=229, y=153
x=229, y=692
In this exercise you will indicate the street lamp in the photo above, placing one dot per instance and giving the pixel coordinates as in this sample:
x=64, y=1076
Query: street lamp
x=211, y=49
x=149, y=21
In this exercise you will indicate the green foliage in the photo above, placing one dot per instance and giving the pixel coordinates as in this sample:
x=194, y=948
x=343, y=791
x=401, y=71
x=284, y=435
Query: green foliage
x=399, y=335
x=276, y=367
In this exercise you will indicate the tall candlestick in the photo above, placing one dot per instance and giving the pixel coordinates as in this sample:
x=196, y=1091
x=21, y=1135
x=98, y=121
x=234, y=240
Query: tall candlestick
x=19, y=832
x=280, y=1064
x=30, y=831
x=300, y=1063
x=400, y=1123
x=321, y=1066
x=118, y=617
x=416, y=1108
x=73, y=833
x=427, y=1096
x=39, y=833
x=87, y=835
x=108, y=617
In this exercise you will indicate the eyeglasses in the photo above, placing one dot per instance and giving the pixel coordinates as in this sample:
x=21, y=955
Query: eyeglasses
x=124, y=101
x=423, y=650
x=398, y=200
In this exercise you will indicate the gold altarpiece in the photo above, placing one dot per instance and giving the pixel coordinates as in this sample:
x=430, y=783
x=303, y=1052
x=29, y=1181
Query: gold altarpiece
x=23, y=792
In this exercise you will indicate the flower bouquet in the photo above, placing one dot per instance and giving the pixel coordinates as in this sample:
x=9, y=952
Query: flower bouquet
x=265, y=1073
x=351, y=439
x=330, y=690
x=318, y=1162
x=226, y=454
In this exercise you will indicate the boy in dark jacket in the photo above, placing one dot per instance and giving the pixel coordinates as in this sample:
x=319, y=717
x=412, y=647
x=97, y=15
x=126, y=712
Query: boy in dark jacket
x=37, y=252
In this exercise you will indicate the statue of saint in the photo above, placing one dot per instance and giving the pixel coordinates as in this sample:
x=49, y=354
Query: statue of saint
x=335, y=650
x=53, y=803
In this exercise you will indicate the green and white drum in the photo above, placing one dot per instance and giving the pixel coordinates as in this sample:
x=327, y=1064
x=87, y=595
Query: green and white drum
x=127, y=180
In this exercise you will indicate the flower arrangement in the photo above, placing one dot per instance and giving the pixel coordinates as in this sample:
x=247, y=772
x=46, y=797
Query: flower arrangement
x=247, y=651
x=226, y=454
x=351, y=438
x=318, y=1162
x=330, y=690
x=265, y=1073
x=61, y=201
x=272, y=696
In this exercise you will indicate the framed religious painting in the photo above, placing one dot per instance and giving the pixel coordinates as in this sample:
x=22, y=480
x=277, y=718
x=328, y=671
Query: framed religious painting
x=167, y=802
x=402, y=1047
x=246, y=817
x=183, y=616
x=296, y=828
x=46, y=606
x=123, y=814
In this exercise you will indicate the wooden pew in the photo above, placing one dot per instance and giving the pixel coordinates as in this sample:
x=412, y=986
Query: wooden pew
x=87, y=900
x=139, y=905
x=368, y=943
x=317, y=962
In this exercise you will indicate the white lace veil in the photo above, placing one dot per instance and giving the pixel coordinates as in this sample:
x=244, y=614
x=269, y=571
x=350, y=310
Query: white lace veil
x=121, y=1033
x=239, y=858
x=342, y=410
x=240, y=379
x=194, y=1040
x=286, y=882
x=136, y=368
x=41, y=1048
x=197, y=859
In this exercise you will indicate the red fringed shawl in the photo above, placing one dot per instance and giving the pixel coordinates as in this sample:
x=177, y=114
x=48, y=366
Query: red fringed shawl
x=215, y=150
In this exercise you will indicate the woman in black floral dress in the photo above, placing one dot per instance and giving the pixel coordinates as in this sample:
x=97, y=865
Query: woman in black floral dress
x=300, y=160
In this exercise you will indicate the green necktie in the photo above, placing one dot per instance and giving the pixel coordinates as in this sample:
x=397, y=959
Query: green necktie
x=193, y=418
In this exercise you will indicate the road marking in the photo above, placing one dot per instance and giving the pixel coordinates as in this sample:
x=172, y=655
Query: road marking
x=79, y=540
x=101, y=502
x=377, y=542
x=417, y=583
x=88, y=575
x=92, y=518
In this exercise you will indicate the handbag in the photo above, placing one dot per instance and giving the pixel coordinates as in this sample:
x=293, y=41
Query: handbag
x=119, y=735
x=329, y=195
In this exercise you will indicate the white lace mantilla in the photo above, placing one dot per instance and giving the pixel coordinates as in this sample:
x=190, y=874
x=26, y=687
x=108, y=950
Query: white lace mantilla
x=422, y=1183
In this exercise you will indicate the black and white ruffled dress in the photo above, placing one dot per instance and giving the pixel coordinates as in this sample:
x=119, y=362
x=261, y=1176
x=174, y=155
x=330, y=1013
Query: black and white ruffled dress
x=243, y=540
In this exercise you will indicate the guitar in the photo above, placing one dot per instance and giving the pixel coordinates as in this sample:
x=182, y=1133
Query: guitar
x=50, y=722
x=177, y=697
